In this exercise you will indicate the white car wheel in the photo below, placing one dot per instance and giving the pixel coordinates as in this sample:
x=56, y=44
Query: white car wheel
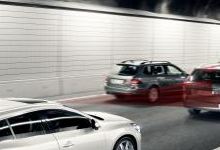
x=125, y=144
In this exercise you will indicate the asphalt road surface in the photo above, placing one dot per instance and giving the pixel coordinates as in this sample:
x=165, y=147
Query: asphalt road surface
x=164, y=127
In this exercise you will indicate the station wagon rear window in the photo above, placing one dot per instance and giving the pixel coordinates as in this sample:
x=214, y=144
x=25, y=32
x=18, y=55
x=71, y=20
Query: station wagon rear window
x=126, y=70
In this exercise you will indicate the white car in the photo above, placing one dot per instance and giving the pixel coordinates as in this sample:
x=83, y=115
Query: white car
x=30, y=124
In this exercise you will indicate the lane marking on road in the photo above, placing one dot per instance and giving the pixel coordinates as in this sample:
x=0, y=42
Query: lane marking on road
x=84, y=98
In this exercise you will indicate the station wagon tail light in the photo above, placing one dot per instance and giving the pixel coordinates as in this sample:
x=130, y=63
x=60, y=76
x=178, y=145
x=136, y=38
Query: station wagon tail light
x=135, y=81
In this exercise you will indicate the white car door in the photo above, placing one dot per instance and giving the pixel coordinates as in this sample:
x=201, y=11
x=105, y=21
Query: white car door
x=25, y=133
x=74, y=132
x=85, y=139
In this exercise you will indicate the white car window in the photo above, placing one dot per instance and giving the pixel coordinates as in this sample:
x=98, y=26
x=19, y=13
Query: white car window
x=27, y=125
x=5, y=132
x=60, y=120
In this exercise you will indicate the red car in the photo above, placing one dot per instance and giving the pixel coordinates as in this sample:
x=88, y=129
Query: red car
x=202, y=90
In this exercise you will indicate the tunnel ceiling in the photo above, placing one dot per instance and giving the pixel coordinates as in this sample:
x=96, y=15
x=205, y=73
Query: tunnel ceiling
x=194, y=8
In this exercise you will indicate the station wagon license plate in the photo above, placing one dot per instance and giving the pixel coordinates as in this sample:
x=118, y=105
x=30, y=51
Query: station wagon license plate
x=116, y=81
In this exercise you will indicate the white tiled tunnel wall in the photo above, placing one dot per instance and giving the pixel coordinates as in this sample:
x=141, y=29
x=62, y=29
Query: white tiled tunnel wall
x=86, y=51
x=48, y=52
x=168, y=40
x=214, y=44
x=28, y=52
x=196, y=45
x=132, y=38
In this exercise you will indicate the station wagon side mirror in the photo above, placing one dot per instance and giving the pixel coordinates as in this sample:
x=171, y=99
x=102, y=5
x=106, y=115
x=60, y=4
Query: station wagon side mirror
x=95, y=125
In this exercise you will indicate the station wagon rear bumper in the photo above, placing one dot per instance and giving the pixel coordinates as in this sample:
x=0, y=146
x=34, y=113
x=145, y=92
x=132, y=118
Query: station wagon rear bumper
x=124, y=91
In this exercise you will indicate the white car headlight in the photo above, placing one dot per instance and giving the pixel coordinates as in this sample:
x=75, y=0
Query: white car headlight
x=136, y=127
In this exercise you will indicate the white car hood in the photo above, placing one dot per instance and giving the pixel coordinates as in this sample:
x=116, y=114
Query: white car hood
x=107, y=116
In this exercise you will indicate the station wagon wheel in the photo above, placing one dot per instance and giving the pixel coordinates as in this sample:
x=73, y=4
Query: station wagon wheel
x=125, y=143
x=153, y=94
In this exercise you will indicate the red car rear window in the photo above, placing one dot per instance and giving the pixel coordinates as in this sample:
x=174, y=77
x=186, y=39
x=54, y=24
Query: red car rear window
x=206, y=75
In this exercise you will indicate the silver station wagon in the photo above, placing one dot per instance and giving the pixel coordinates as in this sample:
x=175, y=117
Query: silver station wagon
x=150, y=79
